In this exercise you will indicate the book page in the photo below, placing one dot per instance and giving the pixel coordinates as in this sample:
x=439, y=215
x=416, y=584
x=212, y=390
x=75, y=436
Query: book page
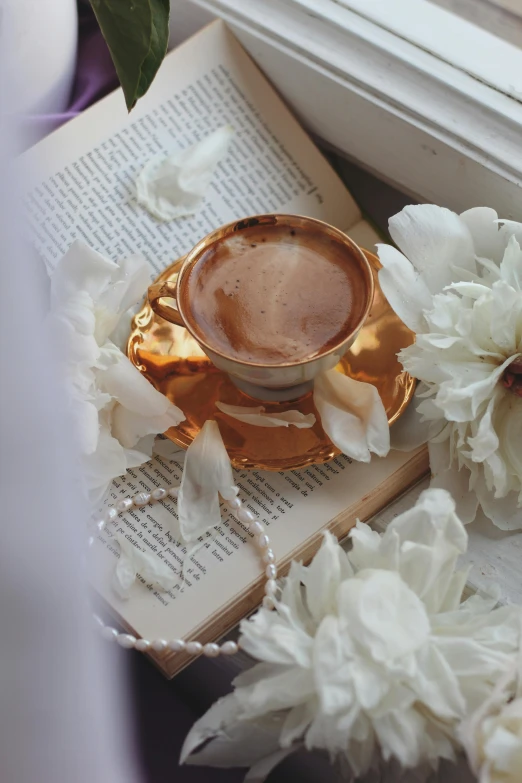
x=81, y=185
x=81, y=178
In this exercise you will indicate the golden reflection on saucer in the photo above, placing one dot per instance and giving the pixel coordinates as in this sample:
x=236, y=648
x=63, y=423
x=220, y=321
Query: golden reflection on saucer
x=175, y=364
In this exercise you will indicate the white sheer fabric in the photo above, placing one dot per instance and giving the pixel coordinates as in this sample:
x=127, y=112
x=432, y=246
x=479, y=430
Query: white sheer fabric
x=63, y=717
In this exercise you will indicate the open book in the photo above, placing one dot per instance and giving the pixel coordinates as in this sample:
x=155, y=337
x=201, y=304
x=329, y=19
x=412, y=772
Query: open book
x=81, y=185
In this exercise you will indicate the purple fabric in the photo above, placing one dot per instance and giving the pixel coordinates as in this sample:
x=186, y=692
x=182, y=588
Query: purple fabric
x=95, y=74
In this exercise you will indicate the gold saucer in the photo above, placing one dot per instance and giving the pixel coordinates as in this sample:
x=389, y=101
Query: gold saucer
x=173, y=362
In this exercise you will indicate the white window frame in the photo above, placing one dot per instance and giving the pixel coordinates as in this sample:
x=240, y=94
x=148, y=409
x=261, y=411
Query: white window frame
x=397, y=86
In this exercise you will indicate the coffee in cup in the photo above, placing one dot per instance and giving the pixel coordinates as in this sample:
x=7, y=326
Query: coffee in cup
x=275, y=294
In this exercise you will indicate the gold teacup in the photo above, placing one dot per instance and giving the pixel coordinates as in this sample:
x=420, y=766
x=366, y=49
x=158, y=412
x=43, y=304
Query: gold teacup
x=286, y=379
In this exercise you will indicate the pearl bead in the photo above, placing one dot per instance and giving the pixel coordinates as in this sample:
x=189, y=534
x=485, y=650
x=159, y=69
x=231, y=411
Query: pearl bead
x=99, y=525
x=159, y=493
x=158, y=645
x=269, y=556
x=142, y=645
x=109, y=633
x=194, y=648
x=126, y=641
x=173, y=492
x=271, y=587
x=124, y=505
x=257, y=528
x=176, y=645
x=229, y=648
x=268, y=602
x=234, y=504
x=245, y=516
x=211, y=650
x=271, y=571
x=111, y=514
x=141, y=499
x=263, y=542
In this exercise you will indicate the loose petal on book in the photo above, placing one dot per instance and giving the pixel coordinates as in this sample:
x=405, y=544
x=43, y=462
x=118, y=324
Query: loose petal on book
x=352, y=415
x=206, y=475
x=258, y=417
x=135, y=561
x=171, y=187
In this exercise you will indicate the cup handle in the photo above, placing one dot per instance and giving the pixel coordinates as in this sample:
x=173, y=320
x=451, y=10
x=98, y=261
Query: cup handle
x=166, y=290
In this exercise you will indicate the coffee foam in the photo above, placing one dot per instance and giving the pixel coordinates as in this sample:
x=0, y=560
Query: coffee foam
x=275, y=295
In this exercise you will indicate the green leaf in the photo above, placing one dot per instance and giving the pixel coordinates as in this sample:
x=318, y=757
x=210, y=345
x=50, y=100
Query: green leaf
x=137, y=34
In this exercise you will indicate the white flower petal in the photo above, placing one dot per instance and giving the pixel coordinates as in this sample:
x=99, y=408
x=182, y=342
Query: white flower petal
x=272, y=638
x=174, y=186
x=432, y=521
x=506, y=323
x=296, y=722
x=400, y=736
x=492, y=734
x=224, y=742
x=486, y=442
x=129, y=427
x=461, y=403
x=129, y=285
x=483, y=227
x=124, y=382
x=107, y=462
x=352, y=415
x=403, y=287
x=121, y=332
x=332, y=668
x=269, y=688
x=218, y=717
x=133, y=561
x=207, y=472
x=383, y=614
x=508, y=421
x=322, y=578
x=509, y=228
x=259, y=418
x=435, y=240
x=80, y=269
x=422, y=545
x=511, y=264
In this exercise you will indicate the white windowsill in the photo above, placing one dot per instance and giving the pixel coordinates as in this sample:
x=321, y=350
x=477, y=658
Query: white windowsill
x=401, y=99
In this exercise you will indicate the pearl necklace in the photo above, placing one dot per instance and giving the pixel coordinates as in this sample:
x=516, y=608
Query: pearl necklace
x=211, y=650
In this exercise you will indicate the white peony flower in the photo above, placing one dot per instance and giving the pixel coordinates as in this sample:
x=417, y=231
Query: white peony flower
x=492, y=736
x=459, y=287
x=368, y=654
x=117, y=411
